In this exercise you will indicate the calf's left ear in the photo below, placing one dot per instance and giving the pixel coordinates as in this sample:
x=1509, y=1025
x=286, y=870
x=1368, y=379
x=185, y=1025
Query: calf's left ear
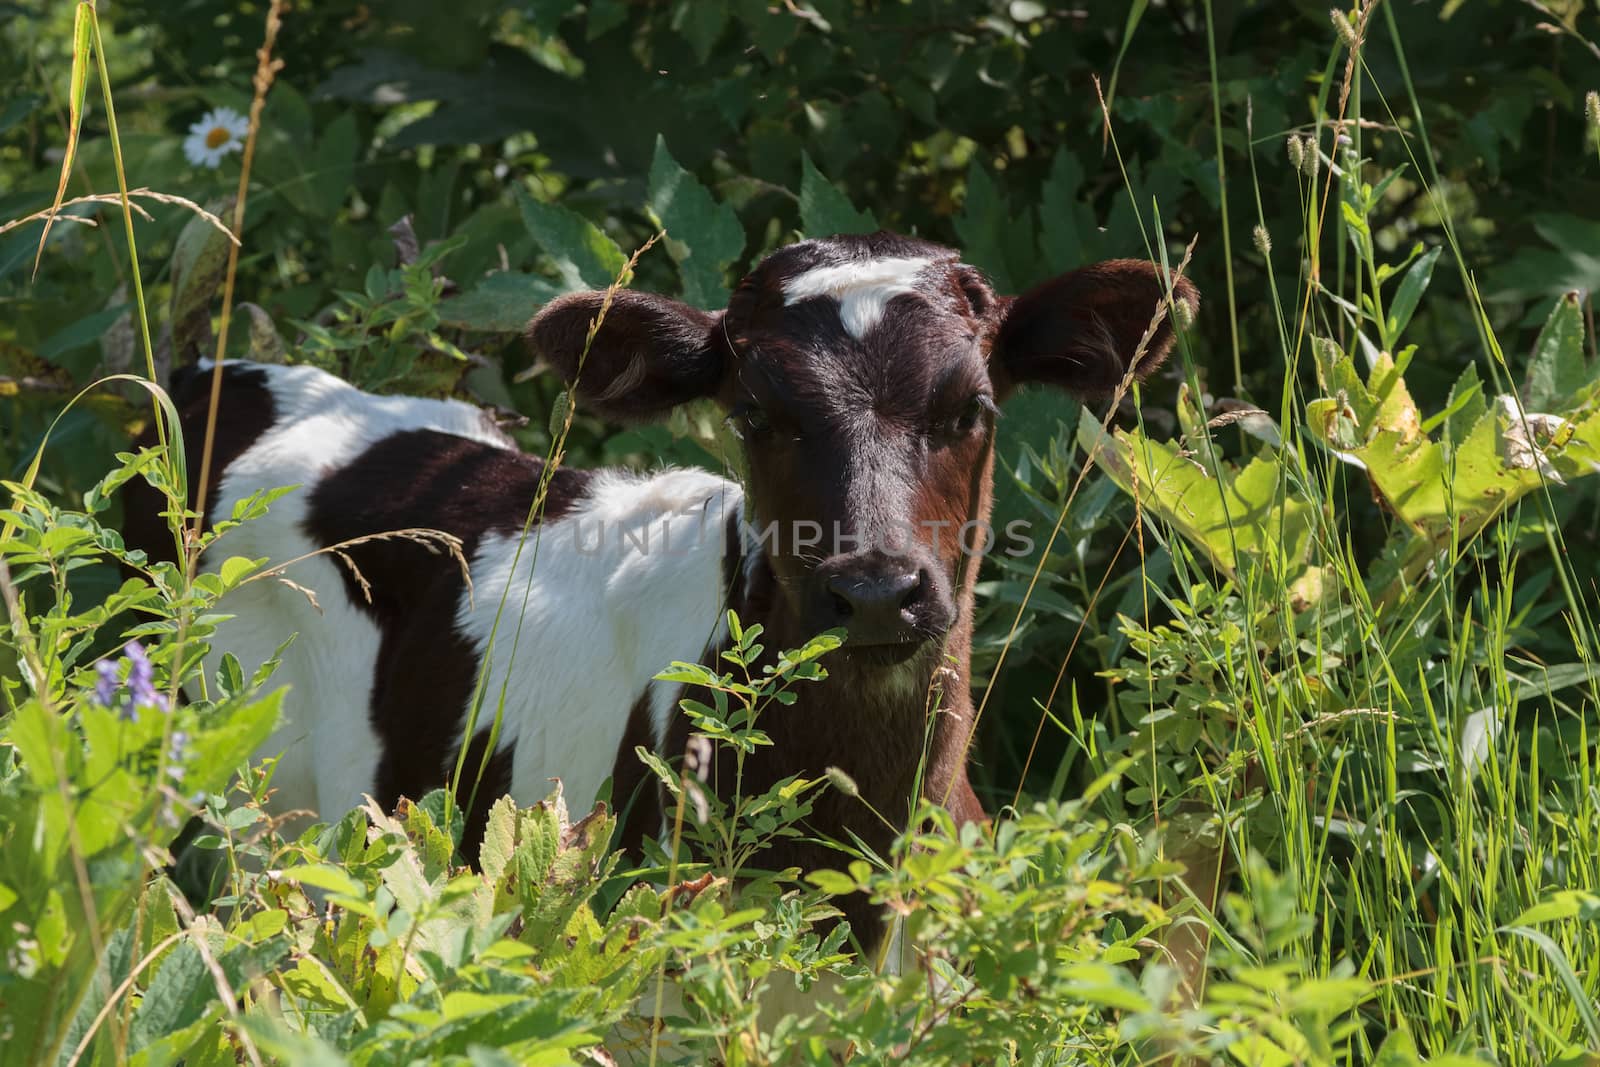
x=648, y=355
x=1082, y=329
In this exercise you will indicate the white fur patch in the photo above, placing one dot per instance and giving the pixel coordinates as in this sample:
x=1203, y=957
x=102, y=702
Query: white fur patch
x=597, y=603
x=863, y=288
x=330, y=750
x=608, y=596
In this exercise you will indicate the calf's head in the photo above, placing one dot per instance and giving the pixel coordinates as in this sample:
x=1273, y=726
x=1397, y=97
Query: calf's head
x=862, y=375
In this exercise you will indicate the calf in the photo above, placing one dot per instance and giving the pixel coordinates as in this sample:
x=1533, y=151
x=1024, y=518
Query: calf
x=862, y=375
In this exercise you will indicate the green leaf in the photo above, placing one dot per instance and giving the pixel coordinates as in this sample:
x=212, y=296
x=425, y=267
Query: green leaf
x=499, y=840
x=199, y=263
x=22, y=106
x=585, y=258
x=824, y=209
x=331, y=168
x=1412, y=286
x=184, y=991
x=994, y=237
x=1397, y=1050
x=832, y=882
x=501, y=303
x=1066, y=226
x=703, y=237
x=263, y=342
x=234, y=569
x=1563, y=904
x=700, y=22
x=1558, y=375
x=218, y=751
x=326, y=877
x=1489, y=468
x=1231, y=514
x=1554, y=677
x=179, y=994
x=80, y=332
x=1464, y=407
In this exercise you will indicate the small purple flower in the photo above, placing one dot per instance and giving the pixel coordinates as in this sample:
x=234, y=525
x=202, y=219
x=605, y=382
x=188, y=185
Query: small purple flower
x=140, y=691
x=107, y=684
x=141, y=679
x=177, y=755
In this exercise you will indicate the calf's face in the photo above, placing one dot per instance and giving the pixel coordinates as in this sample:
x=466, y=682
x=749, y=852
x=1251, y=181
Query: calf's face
x=862, y=375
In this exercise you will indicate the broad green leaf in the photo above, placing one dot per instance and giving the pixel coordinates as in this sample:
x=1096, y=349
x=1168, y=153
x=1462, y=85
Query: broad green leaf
x=218, y=751
x=834, y=882
x=501, y=303
x=1464, y=407
x=1554, y=677
x=700, y=22
x=1066, y=226
x=235, y=568
x=1444, y=496
x=424, y=823
x=824, y=209
x=79, y=332
x=771, y=28
x=990, y=233
x=499, y=840
x=184, y=989
x=199, y=263
x=1231, y=514
x=330, y=168
x=703, y=237
x=1558, y=376
x=21, y=107
x=1397, y=1050
x=585, y=258
x=1412, y=286
x=326, y=877
x=264, y=344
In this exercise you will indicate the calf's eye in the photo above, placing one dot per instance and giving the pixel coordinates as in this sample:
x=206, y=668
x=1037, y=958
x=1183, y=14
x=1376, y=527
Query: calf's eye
x=746, y=421
x=966, y=420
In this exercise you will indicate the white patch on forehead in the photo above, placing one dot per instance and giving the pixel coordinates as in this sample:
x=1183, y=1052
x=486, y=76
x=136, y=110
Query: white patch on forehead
x=863, y=288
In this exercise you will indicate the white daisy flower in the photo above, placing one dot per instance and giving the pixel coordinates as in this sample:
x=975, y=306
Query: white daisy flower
x=220, y=131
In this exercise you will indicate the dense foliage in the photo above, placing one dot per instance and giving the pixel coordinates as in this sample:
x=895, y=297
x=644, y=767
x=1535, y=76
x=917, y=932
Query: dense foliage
x=1315, y=628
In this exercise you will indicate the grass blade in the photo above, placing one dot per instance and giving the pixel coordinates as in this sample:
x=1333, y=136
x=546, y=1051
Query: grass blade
x=82, y=24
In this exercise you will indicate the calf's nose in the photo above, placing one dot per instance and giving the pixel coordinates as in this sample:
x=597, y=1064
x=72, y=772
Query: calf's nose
x=875, y=607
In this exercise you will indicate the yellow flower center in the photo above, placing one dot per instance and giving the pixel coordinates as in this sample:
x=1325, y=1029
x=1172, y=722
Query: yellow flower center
x=218, y=137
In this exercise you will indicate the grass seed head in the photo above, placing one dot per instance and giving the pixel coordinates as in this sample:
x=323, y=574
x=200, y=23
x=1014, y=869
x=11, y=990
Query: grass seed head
x=1263, y=240
x=1347, y=32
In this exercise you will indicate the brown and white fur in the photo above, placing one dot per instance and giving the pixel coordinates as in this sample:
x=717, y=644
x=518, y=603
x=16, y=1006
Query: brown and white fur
x=862, y=374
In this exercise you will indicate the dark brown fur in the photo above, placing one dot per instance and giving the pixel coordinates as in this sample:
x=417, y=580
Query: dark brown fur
x=426, y=670
x=861, y=435
x=245, y=413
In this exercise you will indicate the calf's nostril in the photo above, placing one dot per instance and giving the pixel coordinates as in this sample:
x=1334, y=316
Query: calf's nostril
x=914, y=585
x=878, y=607
x=840, y=590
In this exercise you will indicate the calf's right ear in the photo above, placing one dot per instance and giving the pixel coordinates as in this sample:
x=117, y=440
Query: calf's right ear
x=1082, y=330
x=649, y=355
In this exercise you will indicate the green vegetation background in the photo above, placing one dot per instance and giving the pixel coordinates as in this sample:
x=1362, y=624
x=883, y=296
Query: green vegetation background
x=532, y=145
